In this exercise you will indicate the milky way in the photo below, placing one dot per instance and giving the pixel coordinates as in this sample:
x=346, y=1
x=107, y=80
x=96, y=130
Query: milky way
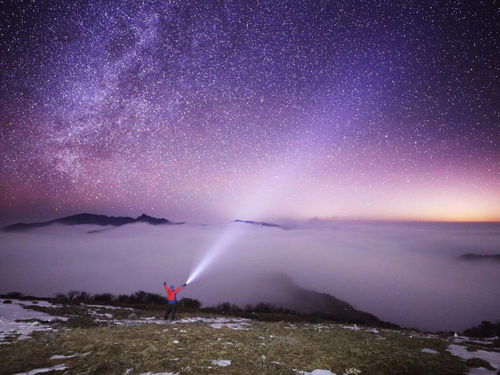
x=185, y=109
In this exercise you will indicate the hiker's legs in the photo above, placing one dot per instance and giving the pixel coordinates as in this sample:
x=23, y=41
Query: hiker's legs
x=174, y=308
x=167, y=311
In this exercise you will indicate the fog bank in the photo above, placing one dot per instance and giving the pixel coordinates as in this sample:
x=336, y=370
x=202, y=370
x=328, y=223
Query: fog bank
x=405, y=273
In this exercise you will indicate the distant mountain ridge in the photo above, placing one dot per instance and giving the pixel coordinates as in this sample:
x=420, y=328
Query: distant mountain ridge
x=92, y=219
x=480, y=257
x=261, y=223
x=113, y=221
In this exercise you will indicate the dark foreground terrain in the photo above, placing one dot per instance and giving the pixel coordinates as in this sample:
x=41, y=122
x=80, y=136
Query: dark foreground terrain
x=102, y=339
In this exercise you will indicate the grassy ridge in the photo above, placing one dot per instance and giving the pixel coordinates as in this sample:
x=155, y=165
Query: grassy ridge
x=189, y=348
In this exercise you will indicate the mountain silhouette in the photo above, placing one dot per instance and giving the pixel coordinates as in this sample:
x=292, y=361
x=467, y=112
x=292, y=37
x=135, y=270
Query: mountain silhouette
x=91, y=219
x=261, y=223
x=480, y=257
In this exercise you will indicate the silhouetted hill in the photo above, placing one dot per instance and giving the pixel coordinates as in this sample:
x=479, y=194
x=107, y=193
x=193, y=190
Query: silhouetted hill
x=92, y=219
x=285, y=293
x=261, y=223
x=480, y=257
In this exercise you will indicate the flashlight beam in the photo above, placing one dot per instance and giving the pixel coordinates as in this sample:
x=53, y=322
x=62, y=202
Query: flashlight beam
x=224, y=241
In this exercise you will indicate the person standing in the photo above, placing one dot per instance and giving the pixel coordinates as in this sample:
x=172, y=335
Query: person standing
x=172, y=300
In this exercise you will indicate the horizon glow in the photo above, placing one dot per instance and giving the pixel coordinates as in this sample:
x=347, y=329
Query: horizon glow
x=179, y=109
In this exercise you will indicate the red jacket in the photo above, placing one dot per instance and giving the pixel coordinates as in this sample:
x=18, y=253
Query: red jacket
x=172, y=294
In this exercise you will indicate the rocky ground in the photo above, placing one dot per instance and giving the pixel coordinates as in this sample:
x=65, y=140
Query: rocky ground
x=43, y=337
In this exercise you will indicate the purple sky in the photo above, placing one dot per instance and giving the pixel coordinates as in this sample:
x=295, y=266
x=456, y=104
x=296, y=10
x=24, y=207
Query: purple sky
x=200, y=110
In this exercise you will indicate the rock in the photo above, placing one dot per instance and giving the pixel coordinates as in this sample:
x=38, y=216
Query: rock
x=132, y=316
x=7, y=301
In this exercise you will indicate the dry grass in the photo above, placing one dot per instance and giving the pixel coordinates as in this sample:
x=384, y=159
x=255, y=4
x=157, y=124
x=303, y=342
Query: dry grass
x=190, y=348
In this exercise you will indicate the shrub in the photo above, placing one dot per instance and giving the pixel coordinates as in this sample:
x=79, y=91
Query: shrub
x=227, y=307
x=61, y=298
x=264, y=308
x=104, y=297
x=123, y=298
x=145, y=297
x=485, y=329
x=78, y=296
x=190, y=303
x=14, y=294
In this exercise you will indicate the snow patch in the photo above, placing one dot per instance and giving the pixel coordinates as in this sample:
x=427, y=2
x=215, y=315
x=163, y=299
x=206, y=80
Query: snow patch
x=321, y=327
x=14, y=316
x=235, y=326
x=481, y=371
x=107, y=307
x=99, y=314
x=42, y=370
x=59, y=356
x=221, y=362
x=461, y=351
x=315, y=372
x=429, y=351
x=217, y=323
x=484, y=341
x=354, y=327
x=134, y=322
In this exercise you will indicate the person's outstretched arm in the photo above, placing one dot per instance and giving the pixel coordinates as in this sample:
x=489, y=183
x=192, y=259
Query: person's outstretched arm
x=180, y=288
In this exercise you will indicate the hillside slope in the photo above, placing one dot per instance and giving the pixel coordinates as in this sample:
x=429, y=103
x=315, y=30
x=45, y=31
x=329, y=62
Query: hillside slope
x=113, y=340
x=283, y=292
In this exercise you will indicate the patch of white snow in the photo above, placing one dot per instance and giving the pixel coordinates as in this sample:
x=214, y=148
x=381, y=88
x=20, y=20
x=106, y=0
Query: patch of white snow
x=354, y=327
x=481, y=371
x=221, y=362
x=60, y=356
x=14, y=319
x=493, y=358
x=42, y=370
x=315, y=372
x=429, y=351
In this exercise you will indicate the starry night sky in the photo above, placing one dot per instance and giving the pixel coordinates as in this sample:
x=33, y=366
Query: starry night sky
x=197, y=110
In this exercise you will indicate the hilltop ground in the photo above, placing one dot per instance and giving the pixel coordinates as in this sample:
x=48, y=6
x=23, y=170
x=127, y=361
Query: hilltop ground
x=99, y=339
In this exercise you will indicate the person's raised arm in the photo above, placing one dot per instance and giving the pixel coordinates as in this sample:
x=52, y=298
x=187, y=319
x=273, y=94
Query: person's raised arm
x=181, y=287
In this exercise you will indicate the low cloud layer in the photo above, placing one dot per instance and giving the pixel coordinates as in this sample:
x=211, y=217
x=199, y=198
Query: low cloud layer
x=406, y=273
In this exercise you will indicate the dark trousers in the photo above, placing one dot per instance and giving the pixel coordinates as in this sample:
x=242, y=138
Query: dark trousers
x=170, y=311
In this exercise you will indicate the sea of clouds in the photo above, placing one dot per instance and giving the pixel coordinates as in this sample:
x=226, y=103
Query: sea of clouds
x=405, y=273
